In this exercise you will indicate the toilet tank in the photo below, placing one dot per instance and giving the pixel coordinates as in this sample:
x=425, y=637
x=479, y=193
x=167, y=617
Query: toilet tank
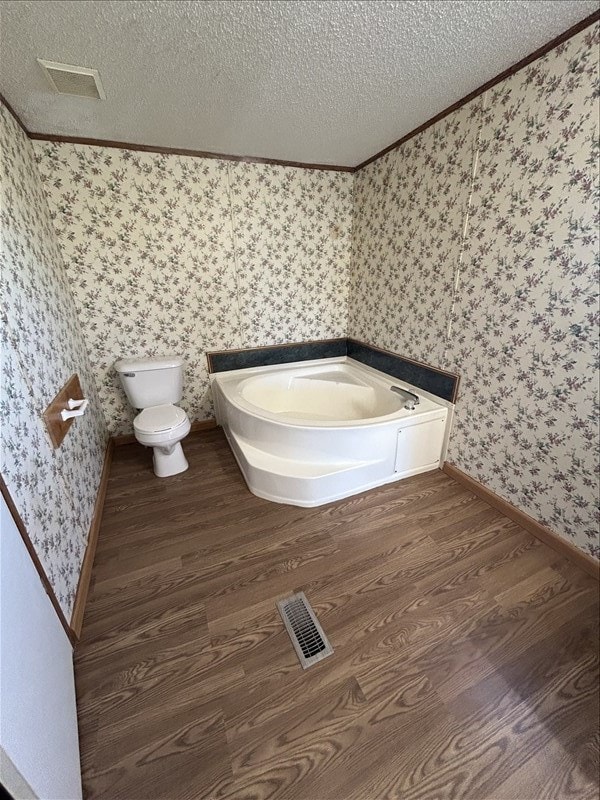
x=151, y=381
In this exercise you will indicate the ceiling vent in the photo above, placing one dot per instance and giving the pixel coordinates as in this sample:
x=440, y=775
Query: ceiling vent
x=78, y=81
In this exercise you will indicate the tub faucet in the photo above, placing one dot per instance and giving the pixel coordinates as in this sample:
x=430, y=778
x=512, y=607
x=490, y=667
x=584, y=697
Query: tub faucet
x=411, y=399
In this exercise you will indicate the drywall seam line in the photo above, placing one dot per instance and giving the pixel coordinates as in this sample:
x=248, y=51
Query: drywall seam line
x=350, y=261
x=465, y=230
x=241, y=334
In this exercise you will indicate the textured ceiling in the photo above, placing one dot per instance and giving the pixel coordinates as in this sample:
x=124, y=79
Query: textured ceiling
x=330, y=82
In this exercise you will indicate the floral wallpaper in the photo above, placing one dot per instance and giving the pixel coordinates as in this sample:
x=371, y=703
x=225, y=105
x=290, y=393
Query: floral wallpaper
x=471, y=247
x=500, y=279
x=526, y=316
x=292, y=230
x=175, y=254
x=409, y=209
x=54, y=490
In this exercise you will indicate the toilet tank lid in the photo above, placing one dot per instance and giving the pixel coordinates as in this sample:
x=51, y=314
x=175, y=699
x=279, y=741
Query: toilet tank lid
x=143, y=364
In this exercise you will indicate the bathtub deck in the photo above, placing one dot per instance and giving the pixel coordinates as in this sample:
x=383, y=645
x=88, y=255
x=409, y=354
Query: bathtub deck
x=465, y=661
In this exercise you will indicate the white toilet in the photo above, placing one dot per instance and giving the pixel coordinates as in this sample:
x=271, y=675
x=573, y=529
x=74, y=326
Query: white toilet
x=155, y=385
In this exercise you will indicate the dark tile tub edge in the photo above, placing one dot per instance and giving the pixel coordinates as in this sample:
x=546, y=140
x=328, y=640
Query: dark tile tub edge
x=436, y=381
x=270, y=355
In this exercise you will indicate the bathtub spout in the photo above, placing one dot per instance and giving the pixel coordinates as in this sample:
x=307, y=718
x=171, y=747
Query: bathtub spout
x=412, y=400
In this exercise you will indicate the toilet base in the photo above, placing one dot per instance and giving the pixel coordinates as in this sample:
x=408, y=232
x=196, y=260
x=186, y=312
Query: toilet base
x=169, y=460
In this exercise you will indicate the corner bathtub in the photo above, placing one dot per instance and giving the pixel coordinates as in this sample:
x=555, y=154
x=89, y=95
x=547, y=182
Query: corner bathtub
x=308, y=434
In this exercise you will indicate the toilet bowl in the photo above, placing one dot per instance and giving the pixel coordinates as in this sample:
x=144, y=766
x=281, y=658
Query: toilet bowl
x=154, y=385
x=162, y=428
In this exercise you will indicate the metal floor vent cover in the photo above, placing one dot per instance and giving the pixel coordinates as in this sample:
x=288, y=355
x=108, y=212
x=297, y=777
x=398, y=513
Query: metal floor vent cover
x=310, y=643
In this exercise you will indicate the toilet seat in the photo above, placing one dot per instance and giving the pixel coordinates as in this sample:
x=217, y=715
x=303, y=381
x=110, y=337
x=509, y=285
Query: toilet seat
x=160, y=419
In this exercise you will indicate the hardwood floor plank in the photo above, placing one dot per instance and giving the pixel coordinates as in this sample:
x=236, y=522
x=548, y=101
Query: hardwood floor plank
x=472, y=752
x=502, y=635
x=567, y=777
x=170, y=761
x=465, y=657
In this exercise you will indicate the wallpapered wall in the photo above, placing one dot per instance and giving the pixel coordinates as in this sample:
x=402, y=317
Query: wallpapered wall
x=174, y=254
x=54, y=490
x=473, y=248
x=476, y=249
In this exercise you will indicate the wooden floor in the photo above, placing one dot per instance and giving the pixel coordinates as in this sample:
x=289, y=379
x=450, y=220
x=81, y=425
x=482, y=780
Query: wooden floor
x=466, y=652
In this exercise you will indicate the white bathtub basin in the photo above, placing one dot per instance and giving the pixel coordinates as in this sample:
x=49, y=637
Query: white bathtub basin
x=308, y=434
x=322, y=396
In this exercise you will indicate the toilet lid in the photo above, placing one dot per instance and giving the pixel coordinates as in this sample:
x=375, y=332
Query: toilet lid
x=159, y=418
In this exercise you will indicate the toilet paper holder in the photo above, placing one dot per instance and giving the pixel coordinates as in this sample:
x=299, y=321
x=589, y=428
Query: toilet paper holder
x=63, y=410
x=75, y=408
